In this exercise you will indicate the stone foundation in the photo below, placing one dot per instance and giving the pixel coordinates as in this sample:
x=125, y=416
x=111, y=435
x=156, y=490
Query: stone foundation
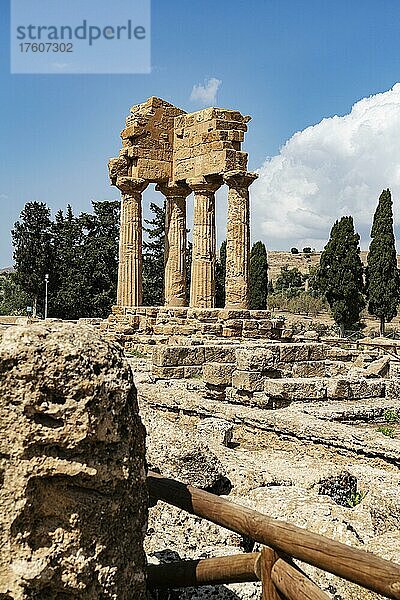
x=139, y=328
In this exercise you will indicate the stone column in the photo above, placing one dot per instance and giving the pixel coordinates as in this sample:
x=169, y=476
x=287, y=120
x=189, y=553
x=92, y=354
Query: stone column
x=129, y=291
x=238, y=239
x=175, y=243
x=202, y=285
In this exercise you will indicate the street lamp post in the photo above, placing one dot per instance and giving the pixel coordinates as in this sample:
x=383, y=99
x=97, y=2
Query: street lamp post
x=46, y=280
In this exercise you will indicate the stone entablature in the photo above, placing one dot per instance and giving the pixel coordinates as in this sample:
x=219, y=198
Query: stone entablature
x=183, y=153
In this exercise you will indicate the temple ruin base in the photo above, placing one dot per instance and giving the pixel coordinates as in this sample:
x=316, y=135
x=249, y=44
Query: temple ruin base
x=159, y=324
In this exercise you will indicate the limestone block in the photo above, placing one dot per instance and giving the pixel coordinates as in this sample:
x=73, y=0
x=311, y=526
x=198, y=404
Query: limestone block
x=340, y=354
x=210, y=328
x=394, y=370
x=365, y=388
x=311, y=368
x=216, y=373
x=334, y=368
x=168, y=372
x=203, y=315
x=259, y=314
x=192, y=371
x=378, y=368
x=220, y=354
x=337, y=388
x=250, y=325
x=73, y=496
x=392, y=388
x=254, y=359
x=293, y=352
x=295, y=389
x=175, y=356
x=249, y=381
x=317, y=351
x=230, y=314
x=217, y=429
x=227, y=332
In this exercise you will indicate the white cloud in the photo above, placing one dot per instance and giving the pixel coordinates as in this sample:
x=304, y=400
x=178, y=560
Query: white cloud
x=206, y=94
x=337, y=167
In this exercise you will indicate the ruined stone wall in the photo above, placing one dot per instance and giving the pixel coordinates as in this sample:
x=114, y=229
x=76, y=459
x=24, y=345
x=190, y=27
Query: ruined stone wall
x=72, y=471
x=208, y=142
x=148, y=139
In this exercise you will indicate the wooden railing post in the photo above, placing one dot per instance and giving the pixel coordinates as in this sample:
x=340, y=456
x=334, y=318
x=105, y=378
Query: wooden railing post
x=265, y=563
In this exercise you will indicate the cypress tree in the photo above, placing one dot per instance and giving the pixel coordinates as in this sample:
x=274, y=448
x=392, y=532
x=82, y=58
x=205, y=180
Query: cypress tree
x=220, y=277
x=258, y=277
x=31, y=238
x=340, y=274
x=153, y=257
x=382, y=274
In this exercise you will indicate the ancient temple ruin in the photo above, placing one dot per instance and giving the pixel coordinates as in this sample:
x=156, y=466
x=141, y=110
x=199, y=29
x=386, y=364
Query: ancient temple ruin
x=183, y=153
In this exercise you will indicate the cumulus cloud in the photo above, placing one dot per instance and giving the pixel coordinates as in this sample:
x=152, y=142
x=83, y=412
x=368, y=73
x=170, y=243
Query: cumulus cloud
x=337, y=167
x=206, y=94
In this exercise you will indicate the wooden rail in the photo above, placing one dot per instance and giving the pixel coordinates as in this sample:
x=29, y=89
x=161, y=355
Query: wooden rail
x=352, y=564
x=292, y=583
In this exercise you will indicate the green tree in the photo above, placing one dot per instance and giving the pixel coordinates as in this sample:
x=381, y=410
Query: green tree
x=100, y=256
x=382, y=274
x=258, y=277
x=68, y=285
x=153, y=257
x=340, y=274
x=31, y=238
x=13, y=300
x=290, y=282
x=220, y=273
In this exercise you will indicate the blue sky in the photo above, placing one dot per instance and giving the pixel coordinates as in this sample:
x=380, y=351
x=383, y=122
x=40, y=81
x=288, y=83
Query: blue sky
x=289, y=64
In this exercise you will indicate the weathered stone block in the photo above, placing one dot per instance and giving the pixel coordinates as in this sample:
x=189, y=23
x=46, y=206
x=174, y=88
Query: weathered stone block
x=311, y=368
x=229, y=332
x=392, y=389
x=367, y=388
x=250, y=381
x=220, y=354
x=218, y=429
x=254, y=359
x=293, y=352
x=68, y=423
x=210, y=328
x=334, y=368
x=192, y=372
x=340, y=354
x=227, y=314
x=168, y=372
x=337, y=388
x=317, y=351
x=295, y=389
x=174, y=356
x=218, y=374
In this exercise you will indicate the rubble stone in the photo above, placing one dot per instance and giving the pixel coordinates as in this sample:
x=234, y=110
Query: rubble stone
x=73, y=494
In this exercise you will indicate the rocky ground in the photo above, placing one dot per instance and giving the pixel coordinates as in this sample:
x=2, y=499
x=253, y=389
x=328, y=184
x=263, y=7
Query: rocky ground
x=329, y=467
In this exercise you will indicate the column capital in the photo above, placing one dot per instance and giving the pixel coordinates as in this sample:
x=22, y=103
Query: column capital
x=239, y=179
x=174, y=190
x=204, y=184
x=130, y=185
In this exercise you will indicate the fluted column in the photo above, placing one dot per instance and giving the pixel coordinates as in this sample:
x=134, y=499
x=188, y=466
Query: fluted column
x=175, y=243
x=238, y=239
x=129, y=291
x=202, y=284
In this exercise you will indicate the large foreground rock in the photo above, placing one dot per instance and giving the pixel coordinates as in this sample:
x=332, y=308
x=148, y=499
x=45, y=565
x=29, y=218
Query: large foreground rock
x=73, y=500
